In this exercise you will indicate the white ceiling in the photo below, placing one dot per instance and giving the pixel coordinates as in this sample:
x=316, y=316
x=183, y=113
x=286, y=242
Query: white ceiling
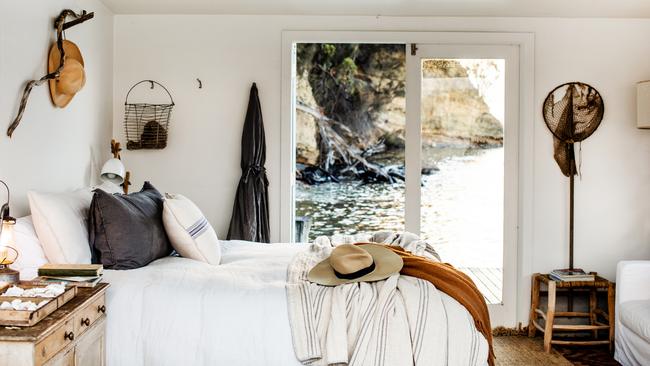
x=486, y=8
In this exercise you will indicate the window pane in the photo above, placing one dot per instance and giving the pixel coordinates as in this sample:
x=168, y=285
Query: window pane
x=350, y=122
x=462, y=158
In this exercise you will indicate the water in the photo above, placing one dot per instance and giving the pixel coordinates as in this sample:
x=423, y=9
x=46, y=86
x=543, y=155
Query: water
x=461, y=212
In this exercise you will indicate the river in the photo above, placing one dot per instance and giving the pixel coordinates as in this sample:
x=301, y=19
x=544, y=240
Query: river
x=461, y=206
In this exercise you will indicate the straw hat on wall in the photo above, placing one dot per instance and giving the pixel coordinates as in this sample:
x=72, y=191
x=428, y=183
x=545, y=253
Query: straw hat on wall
x=71, y=78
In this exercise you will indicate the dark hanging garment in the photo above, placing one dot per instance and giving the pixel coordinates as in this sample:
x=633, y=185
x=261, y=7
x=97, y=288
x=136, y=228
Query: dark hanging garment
x=250, y=215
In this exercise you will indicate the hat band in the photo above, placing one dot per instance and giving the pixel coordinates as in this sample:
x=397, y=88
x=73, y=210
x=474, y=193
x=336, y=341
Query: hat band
x=357, y=274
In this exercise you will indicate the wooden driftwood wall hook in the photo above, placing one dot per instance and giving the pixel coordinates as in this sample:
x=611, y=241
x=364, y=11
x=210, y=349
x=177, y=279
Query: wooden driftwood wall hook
x=127, y=182
x=82, y=18
x=115, y=149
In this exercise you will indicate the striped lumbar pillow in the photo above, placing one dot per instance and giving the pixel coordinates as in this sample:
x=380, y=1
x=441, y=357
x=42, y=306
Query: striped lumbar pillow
x=189, y=231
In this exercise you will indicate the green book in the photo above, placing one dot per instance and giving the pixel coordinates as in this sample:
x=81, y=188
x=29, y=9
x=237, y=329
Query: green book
x=52, y=269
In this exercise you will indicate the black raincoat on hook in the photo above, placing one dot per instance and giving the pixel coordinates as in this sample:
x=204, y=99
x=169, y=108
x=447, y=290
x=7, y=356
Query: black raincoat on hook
x=250, y=215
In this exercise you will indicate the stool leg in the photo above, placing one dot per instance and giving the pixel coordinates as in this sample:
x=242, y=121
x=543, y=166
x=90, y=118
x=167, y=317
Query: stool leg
x=611, y=314
x=534, y=304
x=593, y=303
x=550, y=317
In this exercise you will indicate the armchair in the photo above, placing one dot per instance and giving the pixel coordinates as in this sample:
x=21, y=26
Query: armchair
x=633, y=313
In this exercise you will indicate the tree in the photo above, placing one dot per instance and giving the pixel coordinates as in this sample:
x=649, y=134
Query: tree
x=352, y=82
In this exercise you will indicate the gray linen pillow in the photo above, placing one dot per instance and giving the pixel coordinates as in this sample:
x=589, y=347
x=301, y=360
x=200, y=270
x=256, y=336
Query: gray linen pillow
x=126, y=231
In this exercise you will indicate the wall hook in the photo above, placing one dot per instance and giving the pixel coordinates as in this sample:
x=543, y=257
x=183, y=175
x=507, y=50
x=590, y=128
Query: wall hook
x=151, y=81
x=200, y=83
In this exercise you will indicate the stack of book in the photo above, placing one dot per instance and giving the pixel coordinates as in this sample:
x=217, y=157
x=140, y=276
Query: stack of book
x=571, y=275
x=80, y=275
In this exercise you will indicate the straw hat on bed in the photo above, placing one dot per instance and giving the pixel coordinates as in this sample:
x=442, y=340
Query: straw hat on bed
x=72, y=76
x=350, y=263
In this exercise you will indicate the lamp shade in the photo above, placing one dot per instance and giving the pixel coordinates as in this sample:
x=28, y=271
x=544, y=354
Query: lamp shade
x=643, y=104
x=113, y=171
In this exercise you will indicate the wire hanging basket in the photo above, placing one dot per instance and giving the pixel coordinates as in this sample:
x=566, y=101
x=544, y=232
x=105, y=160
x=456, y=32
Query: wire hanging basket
x=146, y=125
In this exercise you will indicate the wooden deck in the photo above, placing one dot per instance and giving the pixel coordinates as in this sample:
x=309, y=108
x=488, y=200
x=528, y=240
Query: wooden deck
x=488, y=280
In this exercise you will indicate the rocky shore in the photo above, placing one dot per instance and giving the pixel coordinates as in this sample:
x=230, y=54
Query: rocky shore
x=336, y=145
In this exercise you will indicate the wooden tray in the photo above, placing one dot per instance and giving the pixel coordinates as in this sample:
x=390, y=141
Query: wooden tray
x=27, y=318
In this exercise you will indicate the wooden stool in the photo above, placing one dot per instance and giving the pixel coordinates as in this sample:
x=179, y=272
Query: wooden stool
x=594, y=312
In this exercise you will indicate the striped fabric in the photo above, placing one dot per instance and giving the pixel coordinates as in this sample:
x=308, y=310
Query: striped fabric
x=399, y=321
x=198, y=227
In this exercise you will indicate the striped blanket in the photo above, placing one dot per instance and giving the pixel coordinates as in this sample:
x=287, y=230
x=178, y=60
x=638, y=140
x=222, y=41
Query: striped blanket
x=399, y=321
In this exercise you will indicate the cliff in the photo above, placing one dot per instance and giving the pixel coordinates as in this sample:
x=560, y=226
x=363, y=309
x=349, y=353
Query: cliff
x=453, y=111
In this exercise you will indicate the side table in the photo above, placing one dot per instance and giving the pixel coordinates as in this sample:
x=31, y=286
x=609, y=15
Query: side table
x=599, y=320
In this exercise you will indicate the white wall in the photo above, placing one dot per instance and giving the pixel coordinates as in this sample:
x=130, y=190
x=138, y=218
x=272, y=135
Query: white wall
x=51, y=149
x=230, y=52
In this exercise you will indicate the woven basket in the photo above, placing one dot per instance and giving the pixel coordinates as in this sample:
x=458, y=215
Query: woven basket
x=146, y=125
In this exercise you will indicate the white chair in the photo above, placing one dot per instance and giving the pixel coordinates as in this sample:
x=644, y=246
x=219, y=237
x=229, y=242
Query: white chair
x=633, y=313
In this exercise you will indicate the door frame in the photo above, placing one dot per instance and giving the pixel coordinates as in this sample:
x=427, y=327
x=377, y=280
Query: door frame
x=525, y=44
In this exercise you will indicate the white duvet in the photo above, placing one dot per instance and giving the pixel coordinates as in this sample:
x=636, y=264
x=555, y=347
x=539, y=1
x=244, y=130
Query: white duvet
x=178, y=311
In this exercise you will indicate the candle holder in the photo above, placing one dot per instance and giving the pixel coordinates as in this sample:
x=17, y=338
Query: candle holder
x=6, y=241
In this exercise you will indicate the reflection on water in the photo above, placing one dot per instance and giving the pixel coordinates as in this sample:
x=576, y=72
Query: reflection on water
x=462, y=206
x=462, y=209
x=351, y=207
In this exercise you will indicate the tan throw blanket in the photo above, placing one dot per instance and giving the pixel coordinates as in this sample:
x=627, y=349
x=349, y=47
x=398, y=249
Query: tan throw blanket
x=455, y=284
x=403, y=320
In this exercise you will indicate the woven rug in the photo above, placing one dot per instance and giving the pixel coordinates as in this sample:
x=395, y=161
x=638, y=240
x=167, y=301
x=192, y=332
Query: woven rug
x=524, y=351
x=520, y=350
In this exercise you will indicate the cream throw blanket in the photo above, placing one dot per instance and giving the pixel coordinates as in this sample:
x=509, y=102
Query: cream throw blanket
x=399, y=321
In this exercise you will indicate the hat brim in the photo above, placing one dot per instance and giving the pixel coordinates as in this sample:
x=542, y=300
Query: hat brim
x=61, y=100
x=387, y=263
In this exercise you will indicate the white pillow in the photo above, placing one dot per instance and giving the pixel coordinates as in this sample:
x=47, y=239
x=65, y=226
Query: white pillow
x=189, y=231
x=30, y=251
x=61, y=222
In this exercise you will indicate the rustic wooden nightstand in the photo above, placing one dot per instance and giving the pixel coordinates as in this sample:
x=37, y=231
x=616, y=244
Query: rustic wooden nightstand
x=73, y=335
x=595, y=323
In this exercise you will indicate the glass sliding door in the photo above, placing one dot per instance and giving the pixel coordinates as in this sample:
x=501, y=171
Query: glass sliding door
x=462, y=116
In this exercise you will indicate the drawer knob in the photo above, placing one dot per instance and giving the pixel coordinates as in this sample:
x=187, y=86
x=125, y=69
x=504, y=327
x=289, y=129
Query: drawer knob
x=101, y=309
x=85, y=321
x=69, y=336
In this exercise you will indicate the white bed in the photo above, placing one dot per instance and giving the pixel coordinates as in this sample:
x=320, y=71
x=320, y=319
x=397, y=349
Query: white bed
x=178, y=311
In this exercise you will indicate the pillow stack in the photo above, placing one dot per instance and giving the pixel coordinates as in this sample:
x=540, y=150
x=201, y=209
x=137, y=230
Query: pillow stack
x=121, y=231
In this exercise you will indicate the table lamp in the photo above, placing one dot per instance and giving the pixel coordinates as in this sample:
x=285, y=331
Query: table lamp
x=114, y=171
x=8, y=252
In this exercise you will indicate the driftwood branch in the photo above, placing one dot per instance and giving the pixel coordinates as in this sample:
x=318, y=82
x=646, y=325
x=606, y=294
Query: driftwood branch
x=339, y=158
x=115, y=149
x=84, y=16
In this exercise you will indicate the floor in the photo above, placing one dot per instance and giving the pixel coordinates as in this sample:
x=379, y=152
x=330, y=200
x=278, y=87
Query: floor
x=524, y=351
x=520, y=351
x=488, y=280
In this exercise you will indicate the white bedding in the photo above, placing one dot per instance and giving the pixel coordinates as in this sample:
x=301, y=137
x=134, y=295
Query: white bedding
x=178, y=311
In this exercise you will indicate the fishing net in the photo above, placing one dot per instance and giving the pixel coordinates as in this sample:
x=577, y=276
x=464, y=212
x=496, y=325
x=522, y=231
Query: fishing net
x=572, y=119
